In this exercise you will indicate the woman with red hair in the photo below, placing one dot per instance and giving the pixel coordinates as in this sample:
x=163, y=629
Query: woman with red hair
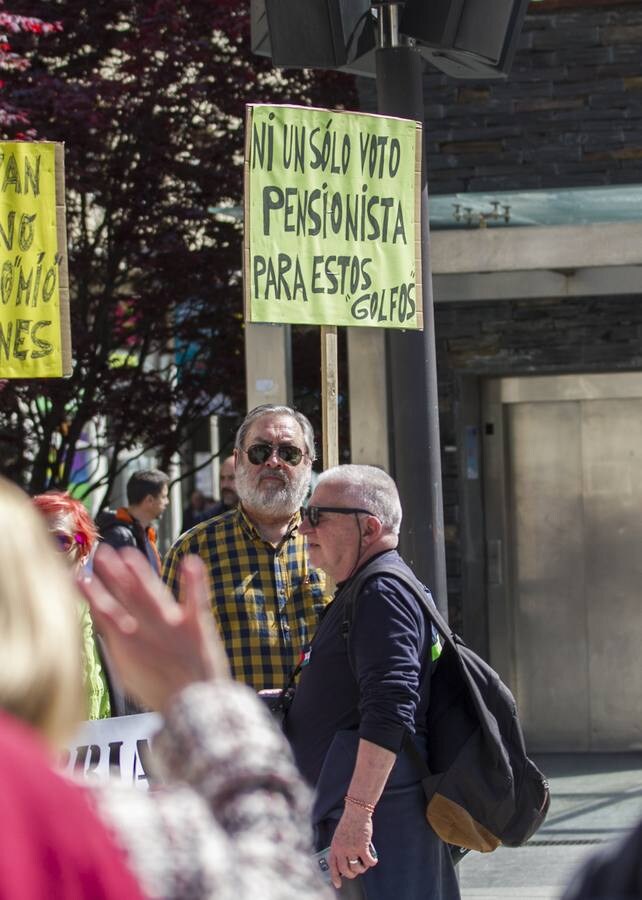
x=75, y=535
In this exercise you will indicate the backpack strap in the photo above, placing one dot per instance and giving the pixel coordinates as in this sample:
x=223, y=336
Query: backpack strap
x=380, y=566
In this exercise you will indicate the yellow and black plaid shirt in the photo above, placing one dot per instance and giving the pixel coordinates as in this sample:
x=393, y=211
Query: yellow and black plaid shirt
x=266, y=599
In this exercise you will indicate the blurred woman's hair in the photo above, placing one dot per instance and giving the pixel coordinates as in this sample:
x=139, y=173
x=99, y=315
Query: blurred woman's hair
x=40, y=661
x=70, y=524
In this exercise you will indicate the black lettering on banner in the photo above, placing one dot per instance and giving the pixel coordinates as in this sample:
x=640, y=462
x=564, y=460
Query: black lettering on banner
x=272, y=199
x=374, y=304
x=284, y=266
x=294, y=151
x=259, y=148
x=114, y=757
x=81, y=764
x=340, y=274
x=142, y=759
x=5, y=340
x=27, y=282
x=366, y=280
x=278, y=280
x=25, y=231
x=7, y=236
x=6, y=282
x=329, y=156
x=380, y=155
x=259, y=269
x=317, y=157
x=12, y=176
x=49, y=284
x=36, y=286
x=400, y=230
x=316, y=274
x=30, y=175
x=395, y=304
x=333, y=281
x=323, y=212
x=290, y=193
x=44, y=347
x=22, y=326
x=13, y=336
x=24, y=287
x=25, y=234
x=359, y=308
x=299, y=282
x=393, y=300
x=411, y=301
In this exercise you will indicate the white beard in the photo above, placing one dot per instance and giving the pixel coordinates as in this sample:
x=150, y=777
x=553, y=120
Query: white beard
x=282, y=499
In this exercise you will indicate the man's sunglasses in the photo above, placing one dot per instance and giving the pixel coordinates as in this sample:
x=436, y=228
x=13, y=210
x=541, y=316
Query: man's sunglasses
x=260, y=453
x=313, y=513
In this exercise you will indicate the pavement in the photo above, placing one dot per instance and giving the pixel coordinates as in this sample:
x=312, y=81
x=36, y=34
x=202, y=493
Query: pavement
x=595, y=799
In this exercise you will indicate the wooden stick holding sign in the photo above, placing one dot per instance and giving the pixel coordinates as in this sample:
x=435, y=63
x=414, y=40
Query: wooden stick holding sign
x=332, y=229
x=329, y=395
x=63, y=269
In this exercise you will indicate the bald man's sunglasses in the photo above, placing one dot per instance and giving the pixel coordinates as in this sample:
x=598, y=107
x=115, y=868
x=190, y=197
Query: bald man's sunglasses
x=313, y=513
x=260, y=453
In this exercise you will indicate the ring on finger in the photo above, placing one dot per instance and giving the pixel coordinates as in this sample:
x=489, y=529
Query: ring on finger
x=353, y=862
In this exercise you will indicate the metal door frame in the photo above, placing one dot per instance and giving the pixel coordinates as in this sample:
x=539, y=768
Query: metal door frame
x=495, y=394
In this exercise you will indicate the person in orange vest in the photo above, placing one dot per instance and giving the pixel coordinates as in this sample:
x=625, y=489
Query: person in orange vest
x=131, y=525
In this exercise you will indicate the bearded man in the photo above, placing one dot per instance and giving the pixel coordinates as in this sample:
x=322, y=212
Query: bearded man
x=266, y=598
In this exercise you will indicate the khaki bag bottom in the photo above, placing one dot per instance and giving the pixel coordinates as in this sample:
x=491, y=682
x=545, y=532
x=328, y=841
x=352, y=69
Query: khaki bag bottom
x=454, y=825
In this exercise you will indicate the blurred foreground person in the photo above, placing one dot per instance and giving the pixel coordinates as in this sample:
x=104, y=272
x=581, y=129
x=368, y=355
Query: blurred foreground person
x=613, y=873
x=75, y=536
x=232, y=818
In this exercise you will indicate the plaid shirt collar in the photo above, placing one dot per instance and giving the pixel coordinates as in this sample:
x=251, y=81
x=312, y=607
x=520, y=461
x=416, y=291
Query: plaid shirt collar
x=251, y=532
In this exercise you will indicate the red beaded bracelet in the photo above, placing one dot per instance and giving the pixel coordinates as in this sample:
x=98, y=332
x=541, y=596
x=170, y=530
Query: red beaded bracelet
x=362, y=803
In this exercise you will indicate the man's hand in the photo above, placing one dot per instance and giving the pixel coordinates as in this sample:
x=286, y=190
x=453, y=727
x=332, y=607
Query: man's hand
x=350, y=853
x=158, y=646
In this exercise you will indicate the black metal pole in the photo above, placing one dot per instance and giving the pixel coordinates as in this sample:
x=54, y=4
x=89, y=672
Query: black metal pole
x=411, y=359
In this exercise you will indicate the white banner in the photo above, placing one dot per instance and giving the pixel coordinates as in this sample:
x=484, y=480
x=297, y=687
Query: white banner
x=117, y=748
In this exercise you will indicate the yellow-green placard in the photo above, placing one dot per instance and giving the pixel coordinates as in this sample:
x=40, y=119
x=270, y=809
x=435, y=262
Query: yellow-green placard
x=34, y=314
x=332, y=218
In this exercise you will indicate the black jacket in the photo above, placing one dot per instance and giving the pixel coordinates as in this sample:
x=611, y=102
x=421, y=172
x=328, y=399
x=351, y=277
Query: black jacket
x=119, y=529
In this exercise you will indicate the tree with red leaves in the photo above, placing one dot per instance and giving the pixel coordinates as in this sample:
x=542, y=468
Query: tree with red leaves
x=149, y=97
x=12, y=117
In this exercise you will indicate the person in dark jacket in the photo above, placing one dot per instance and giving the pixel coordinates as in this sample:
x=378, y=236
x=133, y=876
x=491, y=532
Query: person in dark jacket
x=362, y=694
x=131, y=525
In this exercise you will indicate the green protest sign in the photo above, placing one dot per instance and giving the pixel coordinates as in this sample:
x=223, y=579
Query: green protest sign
x=332, y=218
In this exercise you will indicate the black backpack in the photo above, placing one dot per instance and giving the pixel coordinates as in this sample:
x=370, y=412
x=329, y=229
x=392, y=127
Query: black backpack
x=481, y=788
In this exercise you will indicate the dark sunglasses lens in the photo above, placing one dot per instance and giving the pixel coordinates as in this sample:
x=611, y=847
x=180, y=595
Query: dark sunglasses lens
x=258, y=453
x=290, y=455
x=63, y=541
x=312, y=512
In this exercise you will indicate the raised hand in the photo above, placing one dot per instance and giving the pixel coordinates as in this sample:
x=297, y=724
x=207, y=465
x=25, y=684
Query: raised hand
x=158, y=646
